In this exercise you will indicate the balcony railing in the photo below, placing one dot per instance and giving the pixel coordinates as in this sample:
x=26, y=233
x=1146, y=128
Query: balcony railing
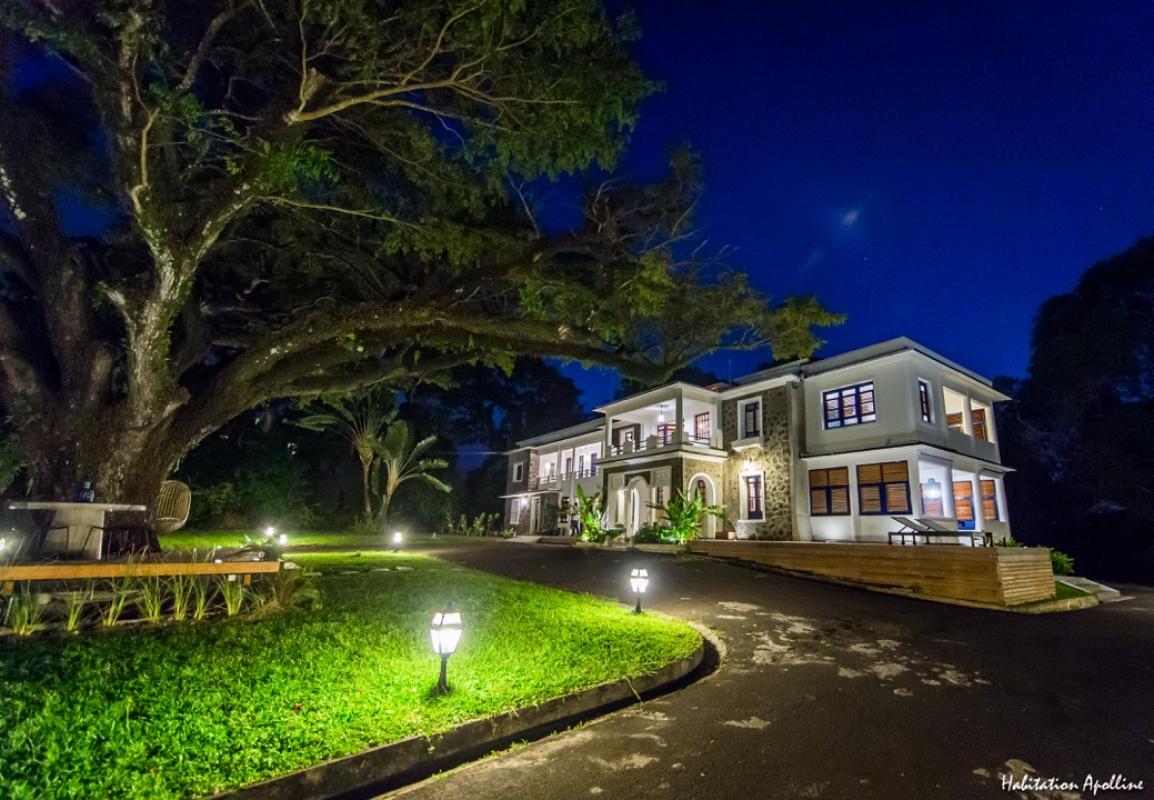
x=658, y=443
x=565, y=477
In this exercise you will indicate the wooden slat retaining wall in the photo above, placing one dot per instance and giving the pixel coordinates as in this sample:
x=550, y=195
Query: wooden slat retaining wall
x=81, y=570
x=996, y=575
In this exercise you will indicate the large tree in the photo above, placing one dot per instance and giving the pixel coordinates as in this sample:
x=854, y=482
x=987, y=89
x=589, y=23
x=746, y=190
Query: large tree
x=1080, y=430
x=320, y=195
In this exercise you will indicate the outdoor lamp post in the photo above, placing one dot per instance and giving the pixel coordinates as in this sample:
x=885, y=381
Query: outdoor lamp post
x=269, y=532
x=639, y=582
x=445, y=633
x=282, y=540
x=397, y=541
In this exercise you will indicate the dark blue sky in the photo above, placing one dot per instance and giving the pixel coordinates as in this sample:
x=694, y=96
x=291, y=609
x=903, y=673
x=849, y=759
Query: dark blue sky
x=934, y=170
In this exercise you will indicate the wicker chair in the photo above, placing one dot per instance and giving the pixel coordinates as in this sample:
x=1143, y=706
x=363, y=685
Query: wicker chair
x=172, y=505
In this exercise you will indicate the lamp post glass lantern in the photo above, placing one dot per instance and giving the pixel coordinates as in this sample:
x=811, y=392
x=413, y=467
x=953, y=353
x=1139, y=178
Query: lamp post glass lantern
x=639, y=582
x=397, y=537
x=445, y=634
x=270, y=532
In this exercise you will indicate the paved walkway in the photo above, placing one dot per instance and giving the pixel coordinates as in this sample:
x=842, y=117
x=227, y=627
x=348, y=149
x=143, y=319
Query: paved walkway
x=832, y=692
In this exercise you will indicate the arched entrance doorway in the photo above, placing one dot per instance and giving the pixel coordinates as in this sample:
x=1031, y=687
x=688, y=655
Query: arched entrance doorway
x=702, y=485
x=636, y=499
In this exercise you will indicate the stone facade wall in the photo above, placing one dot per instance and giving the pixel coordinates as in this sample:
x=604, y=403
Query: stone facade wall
x=715, y=470
x=772, y=457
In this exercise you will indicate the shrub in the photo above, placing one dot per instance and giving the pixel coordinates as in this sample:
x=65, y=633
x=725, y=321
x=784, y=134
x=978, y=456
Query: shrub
x=1062, y=563
x=649, y=534
x=232, y=591
x=75, y=604
x=683, y=516
x=202, y=597
x=150, y=597
x=480, y=525
x=181, y=587
x=24, y=612
x=289, y=588
x=112, y=608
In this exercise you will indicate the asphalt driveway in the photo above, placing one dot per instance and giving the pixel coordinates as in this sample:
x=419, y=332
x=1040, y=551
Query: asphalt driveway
x=833, y=692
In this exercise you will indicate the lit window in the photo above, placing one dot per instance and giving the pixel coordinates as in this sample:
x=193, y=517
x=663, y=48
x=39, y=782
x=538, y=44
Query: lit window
x=989, y=499
x=753, y=500
x=851, y=405
x=702, y=427
x=659, y=495
x=829, y=492
x=751, y=419
x=581, y=465
x=884, y=488
x=592, y=463
x=518, y=472
x=927, y=406
x=665, y=432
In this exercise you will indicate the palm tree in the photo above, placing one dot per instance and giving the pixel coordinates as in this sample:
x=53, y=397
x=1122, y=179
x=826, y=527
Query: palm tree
x=401, y=461
x=362, y=421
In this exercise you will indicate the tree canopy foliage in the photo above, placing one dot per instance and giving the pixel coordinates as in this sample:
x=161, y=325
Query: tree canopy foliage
x=320, y=195
x=1080, y=430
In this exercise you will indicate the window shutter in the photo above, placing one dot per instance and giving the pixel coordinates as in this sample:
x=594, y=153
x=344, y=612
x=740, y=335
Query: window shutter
x=839, y=476
x=869, y=473
x=818, y=478
x=897, y=498
x=817, y=502
x=978, y=418
x=989, y=500
x=871, y=499
x=839, y=500
x=895, y=471
x=963, y=501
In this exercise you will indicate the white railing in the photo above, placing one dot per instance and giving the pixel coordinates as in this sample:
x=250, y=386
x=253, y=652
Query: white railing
x=656, y=443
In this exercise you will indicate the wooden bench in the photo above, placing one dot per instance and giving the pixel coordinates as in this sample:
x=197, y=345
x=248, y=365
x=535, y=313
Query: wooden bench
x=87, y=570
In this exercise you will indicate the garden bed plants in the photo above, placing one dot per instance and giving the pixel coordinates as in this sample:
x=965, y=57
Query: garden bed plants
x=185, y=710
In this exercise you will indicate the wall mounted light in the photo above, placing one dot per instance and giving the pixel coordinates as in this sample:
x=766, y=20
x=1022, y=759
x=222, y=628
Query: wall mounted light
x=933, y=490
x=445, y=634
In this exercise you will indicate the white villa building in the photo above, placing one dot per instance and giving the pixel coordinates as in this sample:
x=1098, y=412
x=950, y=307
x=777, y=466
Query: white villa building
x=827, y=449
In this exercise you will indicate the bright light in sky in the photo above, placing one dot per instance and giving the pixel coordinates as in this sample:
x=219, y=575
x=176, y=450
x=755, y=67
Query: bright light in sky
x=850, y=218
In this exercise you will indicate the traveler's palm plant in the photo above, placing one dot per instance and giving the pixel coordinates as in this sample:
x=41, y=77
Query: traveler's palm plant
x=400, y=459
x=362, y=421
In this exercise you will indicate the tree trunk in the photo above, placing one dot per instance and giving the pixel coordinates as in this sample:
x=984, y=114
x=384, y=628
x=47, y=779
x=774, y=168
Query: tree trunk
x=125, y=463
x=366, y=469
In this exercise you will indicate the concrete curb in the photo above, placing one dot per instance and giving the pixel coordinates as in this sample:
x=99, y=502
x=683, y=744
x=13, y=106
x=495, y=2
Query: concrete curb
x=1041, y=607
x=379, y=769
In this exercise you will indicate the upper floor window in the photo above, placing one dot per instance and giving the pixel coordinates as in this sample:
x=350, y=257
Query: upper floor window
x=980, y=421
x=702, y=426
x=750, y=419
x=665, y=432
x=753, y=499
x=592, y=463
x=851, y=405
x=550, y=470
x=829, y=492
x=884, y=488
x=927, y=406
x=581, y=465
x=568, y=465
x=518, y=472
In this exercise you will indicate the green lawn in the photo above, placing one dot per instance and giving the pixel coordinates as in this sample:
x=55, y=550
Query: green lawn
x=204, y=540
x=188, y=709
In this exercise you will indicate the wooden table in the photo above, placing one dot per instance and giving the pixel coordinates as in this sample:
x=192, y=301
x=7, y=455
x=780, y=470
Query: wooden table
x=78, y=521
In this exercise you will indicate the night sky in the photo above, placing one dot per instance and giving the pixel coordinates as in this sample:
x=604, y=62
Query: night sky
x=933, y=170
